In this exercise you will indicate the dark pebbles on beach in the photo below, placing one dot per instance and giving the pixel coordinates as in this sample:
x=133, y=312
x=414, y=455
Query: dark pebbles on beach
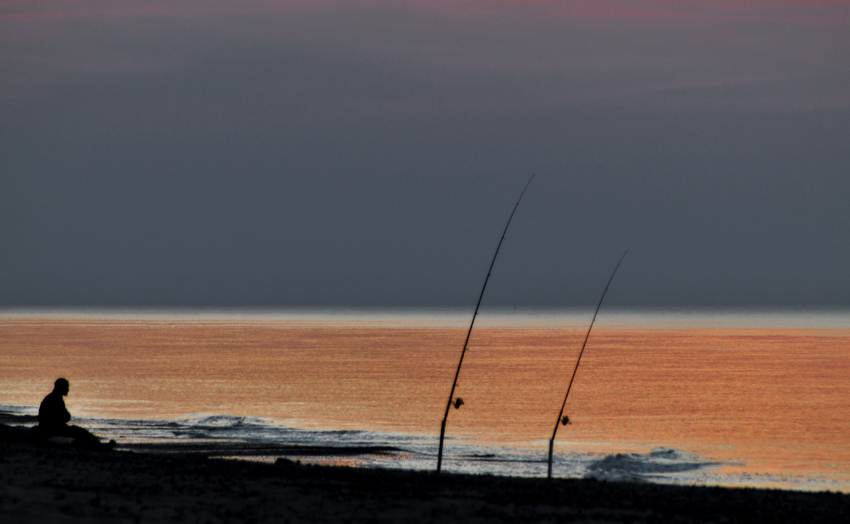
x=40, y=484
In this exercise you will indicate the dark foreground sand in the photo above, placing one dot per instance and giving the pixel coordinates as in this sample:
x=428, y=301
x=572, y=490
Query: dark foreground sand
x=59, y=484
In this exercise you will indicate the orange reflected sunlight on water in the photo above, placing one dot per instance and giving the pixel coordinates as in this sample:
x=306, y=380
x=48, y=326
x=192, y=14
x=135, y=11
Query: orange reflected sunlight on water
x=778, y=396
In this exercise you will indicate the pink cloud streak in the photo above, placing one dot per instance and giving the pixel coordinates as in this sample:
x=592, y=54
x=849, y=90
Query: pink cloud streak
x=780, y=11
x=786, y=11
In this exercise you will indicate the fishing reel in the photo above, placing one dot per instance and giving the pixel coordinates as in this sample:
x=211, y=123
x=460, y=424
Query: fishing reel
x=566, y=420
x=458, y=403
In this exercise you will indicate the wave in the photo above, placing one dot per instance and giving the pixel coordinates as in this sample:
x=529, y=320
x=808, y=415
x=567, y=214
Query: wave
x=19, y=410
x=655, y=465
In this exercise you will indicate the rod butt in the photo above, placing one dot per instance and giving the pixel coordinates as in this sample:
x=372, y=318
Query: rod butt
x=440, y=452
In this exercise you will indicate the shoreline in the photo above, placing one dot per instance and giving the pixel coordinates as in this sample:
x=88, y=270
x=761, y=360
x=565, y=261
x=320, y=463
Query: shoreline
x=56, y=483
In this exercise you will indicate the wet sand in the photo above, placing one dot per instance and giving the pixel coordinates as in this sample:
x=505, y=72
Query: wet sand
x=55, y=483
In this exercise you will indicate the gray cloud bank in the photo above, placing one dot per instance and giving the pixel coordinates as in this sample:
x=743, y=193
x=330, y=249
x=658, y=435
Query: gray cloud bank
x=368, y=154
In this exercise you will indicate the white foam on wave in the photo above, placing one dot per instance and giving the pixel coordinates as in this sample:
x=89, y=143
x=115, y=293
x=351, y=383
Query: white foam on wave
x=660, y=464
x=206, y=420
x=19, y=410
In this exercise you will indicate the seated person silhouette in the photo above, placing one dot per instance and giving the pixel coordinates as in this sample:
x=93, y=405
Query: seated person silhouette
x=53, y=420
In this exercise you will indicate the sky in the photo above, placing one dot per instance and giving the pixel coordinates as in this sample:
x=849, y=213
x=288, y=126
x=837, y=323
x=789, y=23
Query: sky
x=357, y=153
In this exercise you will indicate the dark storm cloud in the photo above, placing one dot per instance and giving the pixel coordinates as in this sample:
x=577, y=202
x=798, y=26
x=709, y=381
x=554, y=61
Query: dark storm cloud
x=368, y=154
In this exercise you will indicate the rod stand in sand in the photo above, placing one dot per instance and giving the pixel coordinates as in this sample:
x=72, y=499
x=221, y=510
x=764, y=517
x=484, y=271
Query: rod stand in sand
x=459, y=402
x=561, y=418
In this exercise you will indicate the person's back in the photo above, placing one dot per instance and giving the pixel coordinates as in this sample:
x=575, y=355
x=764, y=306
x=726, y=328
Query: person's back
x=52, y=414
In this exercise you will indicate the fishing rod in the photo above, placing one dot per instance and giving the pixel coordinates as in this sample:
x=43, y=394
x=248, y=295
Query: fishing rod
x=564, y=420
x=459, y=401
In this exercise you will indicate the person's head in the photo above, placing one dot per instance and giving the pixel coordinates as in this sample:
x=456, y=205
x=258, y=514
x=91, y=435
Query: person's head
x=61, y=386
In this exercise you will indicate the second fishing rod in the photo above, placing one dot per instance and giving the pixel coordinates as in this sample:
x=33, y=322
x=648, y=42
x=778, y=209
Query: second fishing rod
x=562, y=419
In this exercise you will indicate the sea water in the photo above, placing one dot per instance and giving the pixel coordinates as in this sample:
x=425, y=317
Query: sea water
x=734, y=398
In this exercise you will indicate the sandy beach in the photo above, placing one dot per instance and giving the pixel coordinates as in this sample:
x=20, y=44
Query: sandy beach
x=55, y=483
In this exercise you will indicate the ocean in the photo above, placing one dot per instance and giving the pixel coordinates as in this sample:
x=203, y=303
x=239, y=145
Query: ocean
x=696, y=397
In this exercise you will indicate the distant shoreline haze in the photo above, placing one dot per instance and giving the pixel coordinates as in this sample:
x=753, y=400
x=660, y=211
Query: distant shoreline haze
x=736, y=317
